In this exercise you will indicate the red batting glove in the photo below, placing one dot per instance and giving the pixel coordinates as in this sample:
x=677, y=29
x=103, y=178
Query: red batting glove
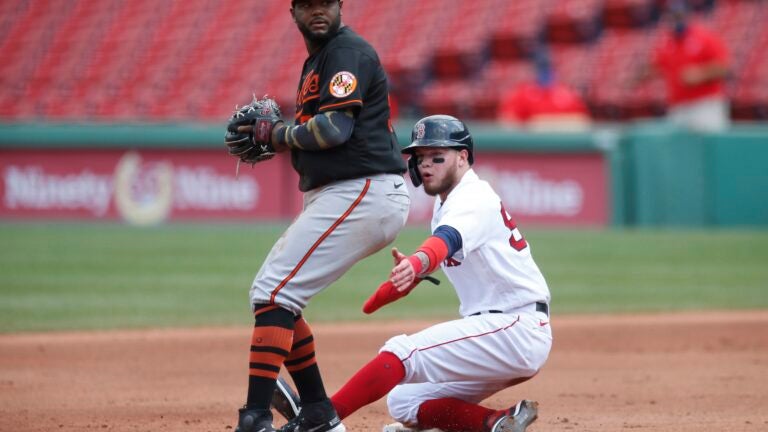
x=385, y=294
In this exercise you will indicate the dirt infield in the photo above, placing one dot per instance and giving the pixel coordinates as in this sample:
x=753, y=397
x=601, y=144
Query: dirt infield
x=682, y=372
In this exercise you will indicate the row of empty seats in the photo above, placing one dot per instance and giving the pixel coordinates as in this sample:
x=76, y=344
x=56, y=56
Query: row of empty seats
x=189, y=60
x=601, y=64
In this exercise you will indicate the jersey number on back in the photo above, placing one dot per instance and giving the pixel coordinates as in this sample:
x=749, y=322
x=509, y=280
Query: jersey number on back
x=516, y=239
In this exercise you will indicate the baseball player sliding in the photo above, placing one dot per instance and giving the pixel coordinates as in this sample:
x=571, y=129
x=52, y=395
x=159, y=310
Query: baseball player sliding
x=436, y=377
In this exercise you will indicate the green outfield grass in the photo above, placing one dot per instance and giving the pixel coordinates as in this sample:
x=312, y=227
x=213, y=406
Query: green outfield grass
x=99, y=276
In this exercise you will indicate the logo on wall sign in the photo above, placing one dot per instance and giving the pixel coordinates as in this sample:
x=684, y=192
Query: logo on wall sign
x=143, y=191
x=420, y=131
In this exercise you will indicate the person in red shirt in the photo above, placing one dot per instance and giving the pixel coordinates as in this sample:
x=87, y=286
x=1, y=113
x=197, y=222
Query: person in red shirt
x=693, y=61
x=544, y=104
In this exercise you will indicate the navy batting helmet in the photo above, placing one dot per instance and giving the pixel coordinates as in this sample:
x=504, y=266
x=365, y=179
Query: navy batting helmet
x=437, y=131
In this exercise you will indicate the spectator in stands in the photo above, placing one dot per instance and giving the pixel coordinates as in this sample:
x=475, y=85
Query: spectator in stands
x=544, y=104
x=693, y=61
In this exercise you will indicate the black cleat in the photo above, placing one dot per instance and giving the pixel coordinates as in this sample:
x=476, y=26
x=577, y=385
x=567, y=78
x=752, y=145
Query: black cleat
x=254, y=420
x=316, y=417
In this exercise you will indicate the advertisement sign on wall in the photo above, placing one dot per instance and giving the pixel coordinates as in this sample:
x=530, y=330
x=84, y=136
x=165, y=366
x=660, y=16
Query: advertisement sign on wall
x=153, y=186
x=539, y=188
x=146, y=187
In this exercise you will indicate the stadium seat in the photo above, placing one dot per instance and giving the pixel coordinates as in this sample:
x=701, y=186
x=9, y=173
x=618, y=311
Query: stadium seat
x=142, y=60
x=516, y=30
x=573, y=21
x=625, y=14
x=617, y=56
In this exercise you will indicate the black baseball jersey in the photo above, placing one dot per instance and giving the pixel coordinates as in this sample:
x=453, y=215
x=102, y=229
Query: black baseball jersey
x=346, y=74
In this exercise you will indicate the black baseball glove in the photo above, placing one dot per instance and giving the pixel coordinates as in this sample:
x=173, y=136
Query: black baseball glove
x=253, y=144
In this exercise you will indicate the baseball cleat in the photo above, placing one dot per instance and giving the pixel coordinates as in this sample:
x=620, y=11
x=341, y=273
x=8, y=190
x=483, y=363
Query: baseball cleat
x=518, y=417
x=316, y=417
x=254, y=420
x=399, y=427
x=285, y=401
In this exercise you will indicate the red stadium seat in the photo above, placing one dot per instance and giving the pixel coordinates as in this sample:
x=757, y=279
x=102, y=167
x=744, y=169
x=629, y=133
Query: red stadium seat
x=628, y=13
x=517, y=26
x=180, y=60
x=573, y=21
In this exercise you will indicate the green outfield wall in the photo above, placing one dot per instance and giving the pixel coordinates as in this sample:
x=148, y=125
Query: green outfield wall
x=672, y=178
x=653, y=175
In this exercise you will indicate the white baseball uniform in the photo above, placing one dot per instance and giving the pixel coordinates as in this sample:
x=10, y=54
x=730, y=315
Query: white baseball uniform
x=504, y=336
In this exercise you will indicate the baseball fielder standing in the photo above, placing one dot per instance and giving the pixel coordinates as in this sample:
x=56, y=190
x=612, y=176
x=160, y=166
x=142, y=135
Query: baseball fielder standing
x=351, y=172
x=436, y=377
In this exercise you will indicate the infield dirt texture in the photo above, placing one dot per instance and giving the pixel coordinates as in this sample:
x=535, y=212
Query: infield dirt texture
x=661, y=372
x=642, y=338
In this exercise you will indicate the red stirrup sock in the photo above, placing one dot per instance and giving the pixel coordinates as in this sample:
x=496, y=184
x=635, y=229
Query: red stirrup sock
x=452, y=415
x=372, y=382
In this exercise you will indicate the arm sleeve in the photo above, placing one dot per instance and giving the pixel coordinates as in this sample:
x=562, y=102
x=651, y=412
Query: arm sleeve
x=450, y=236
x=429, y=255
x=323, y=131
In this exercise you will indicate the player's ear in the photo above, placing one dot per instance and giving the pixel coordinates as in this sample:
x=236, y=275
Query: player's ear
x=463, y=157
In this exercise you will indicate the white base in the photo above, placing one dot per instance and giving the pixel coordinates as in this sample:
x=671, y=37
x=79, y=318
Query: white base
x=399, y=427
